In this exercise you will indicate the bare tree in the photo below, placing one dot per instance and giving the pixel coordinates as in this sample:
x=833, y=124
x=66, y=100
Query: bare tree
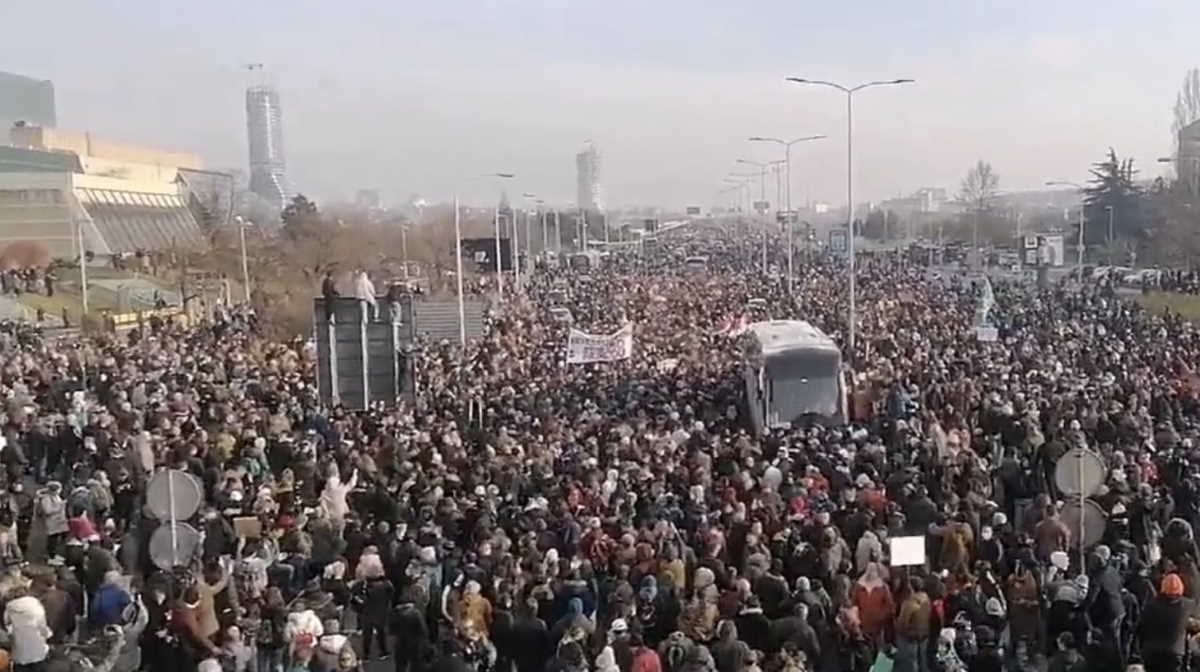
x=1187, y=105
x=977, y=192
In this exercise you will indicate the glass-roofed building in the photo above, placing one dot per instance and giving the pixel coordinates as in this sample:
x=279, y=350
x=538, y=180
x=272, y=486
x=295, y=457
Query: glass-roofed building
x=60, y=187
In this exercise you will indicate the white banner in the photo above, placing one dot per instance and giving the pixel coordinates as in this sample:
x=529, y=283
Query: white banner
x=587, y=348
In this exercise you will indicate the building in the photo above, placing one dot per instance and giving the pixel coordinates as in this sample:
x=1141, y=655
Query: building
x=264, y=131
x=587, y=165
x=1188, y=166
x=368, y=198
x=27, y=100
x=58, y=187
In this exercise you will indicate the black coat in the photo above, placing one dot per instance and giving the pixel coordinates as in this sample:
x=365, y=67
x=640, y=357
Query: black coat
x=1164, y=624
x=796, y=630
x=754, y=628
x=376, y=600
x=530, y=638
x=411, y=631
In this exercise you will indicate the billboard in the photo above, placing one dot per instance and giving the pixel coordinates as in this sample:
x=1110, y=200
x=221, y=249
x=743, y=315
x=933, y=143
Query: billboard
x=482, y=251
x=762, y=206
x=693, y=210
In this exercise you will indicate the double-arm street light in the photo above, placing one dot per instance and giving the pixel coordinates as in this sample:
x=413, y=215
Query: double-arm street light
x=787, y=170
x=1082, y=192
x=850, y=91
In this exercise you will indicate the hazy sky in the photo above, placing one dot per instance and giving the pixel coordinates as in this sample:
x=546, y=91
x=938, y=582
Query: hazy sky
x=421, y=97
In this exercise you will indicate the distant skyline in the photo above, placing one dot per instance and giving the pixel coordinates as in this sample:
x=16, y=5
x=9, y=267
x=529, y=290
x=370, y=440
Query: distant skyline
x=417, y=98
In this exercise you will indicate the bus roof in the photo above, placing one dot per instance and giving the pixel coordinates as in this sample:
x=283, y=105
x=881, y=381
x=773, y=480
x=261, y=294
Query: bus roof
x=775, y=336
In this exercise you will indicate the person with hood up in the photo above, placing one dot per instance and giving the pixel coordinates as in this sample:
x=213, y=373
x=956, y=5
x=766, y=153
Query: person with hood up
x=1164, y=626
x=728, y=652
x=876, y=608
x=869, y=550
x=573, y=620
x=25, y=621
x=795, y=630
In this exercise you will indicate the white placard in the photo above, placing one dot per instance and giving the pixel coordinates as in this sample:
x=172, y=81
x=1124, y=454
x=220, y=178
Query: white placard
x=907, y=551
x=987, y=334
x=587, y=348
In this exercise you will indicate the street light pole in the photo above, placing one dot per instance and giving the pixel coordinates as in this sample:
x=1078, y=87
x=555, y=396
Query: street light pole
x=850, y=91
x=787, y=169
x=496, y=226
x=1082, y=192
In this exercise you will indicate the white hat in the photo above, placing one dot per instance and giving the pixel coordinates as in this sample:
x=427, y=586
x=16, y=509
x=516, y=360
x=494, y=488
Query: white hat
x=619, y=626
x=1060, y=560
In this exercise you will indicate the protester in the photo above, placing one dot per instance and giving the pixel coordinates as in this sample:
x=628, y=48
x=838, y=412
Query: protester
x=522, y=513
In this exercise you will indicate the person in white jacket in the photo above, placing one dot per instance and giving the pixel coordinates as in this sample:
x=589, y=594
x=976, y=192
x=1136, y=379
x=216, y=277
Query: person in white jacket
x=25, y=620
x=333, y=503
x=364, y=290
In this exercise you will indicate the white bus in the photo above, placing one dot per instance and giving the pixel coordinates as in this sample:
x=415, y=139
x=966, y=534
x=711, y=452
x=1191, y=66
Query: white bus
x=696, y=264
x=793, y=375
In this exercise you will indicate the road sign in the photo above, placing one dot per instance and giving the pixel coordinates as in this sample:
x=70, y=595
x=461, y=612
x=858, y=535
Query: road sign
x=837, y=241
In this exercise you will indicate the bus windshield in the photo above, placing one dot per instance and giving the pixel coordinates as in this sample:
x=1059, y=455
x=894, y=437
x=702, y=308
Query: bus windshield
x=803, y=383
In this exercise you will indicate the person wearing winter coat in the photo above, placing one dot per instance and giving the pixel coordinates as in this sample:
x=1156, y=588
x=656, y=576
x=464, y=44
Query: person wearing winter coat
x=913, y=626
x=729, y=653
x=184, y=623
x=377, y=593
x=108, y=606
x=645, y=659
x=876, y=608
x=412, y=635
x=52, y=509
x=1164, y=626
x=333, y=505
x=530, y=639
x=25, y=621
x=753, y=626
x=797, y=630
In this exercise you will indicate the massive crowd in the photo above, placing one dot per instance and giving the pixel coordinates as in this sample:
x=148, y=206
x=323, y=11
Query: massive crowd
x=616, y=517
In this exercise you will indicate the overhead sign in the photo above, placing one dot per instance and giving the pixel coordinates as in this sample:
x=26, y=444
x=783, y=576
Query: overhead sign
x=585, y=348
x=837, y=241
x=693, y=210
x=1031, y=242
x=482, y=251
x=762, y=206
